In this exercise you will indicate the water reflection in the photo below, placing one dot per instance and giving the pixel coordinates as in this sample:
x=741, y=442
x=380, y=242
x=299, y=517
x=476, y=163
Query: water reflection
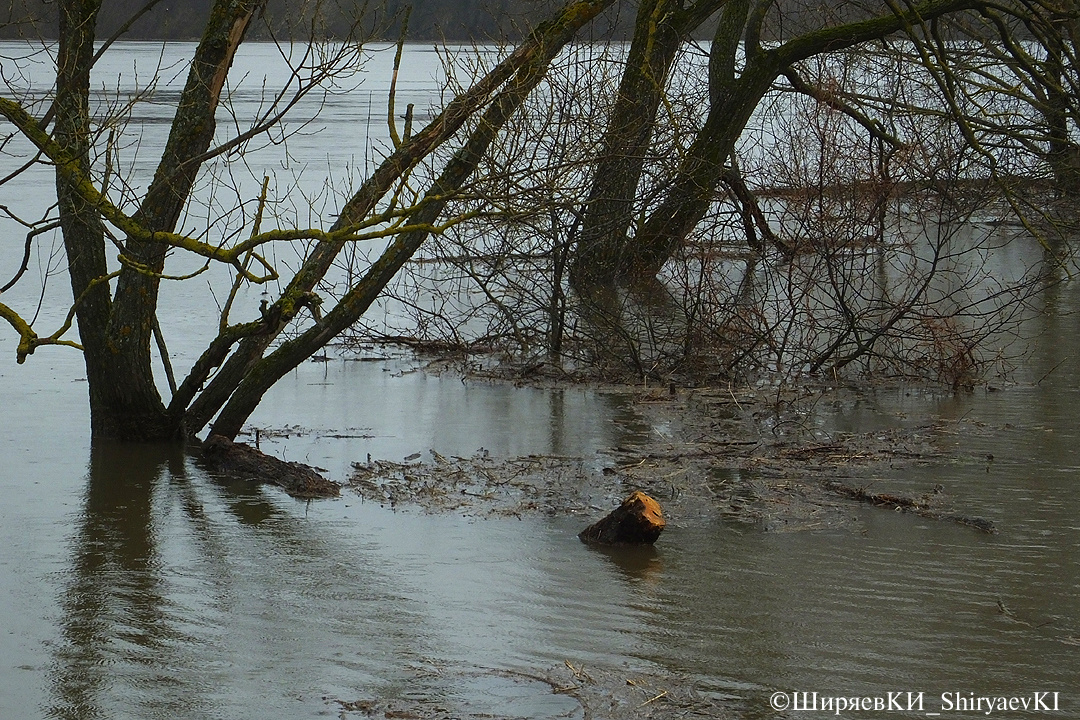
x=113, y=605
x=245, y=501
x=636, y=563
x=560, y=444
x=186, y=597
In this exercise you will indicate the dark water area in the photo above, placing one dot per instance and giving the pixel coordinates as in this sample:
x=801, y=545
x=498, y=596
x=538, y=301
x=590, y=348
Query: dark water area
x=135, y=586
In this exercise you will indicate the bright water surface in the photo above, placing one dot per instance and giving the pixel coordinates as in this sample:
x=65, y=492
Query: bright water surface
x=134, y=586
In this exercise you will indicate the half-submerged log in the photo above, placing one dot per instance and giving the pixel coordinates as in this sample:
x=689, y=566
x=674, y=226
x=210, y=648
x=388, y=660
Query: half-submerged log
x=638, y=521
x=243, y=461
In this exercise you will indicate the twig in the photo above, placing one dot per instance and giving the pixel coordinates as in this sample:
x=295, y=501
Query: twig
x=653, y=699
x=164, y=352
x=1051, y=370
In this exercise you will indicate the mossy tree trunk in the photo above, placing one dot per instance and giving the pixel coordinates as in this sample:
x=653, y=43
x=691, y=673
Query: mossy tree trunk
x=262, y=373
x=116, y=331
x=82, y=229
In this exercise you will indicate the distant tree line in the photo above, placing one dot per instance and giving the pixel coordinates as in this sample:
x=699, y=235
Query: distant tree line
x=430, y=20
x=450, y=20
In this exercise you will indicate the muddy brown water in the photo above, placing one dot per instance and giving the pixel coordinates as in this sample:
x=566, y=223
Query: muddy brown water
x=132, y=585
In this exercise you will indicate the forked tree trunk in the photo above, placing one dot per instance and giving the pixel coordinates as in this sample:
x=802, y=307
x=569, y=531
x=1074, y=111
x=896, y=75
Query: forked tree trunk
x=734, y=96
x=601, y=250
x=260, y=376
x=246, y=375
x=116, y=332
x=609, y=209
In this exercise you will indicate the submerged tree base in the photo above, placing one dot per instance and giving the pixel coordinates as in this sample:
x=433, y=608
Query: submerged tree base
x=922, y=505
x=243, y=461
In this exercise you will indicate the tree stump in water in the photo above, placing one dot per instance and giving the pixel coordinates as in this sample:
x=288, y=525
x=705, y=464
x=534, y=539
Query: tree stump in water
x=240, y=460
x=638, y=521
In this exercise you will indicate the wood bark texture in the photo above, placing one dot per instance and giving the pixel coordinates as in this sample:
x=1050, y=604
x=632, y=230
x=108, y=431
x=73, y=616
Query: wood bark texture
x=638, y=521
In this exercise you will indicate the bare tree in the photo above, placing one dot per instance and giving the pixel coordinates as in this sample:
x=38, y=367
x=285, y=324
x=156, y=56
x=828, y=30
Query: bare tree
x=116, y=310
x=743, y=68
x=838, y=193
x=763, y=245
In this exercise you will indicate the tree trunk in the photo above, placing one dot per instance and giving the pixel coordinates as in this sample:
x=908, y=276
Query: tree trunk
x=609, y=209
x=693, y=189
x=122, y=405
x=1063, y=154
x=733, y=98
x=660, y=28
x=638, y=521
x=605, y=252
x=135, y=303
x=116, y=333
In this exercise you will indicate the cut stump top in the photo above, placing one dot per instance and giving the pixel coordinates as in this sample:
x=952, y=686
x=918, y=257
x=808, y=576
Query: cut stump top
x=638, y=521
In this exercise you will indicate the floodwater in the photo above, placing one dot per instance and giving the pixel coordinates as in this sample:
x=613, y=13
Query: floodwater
x=132, y=585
